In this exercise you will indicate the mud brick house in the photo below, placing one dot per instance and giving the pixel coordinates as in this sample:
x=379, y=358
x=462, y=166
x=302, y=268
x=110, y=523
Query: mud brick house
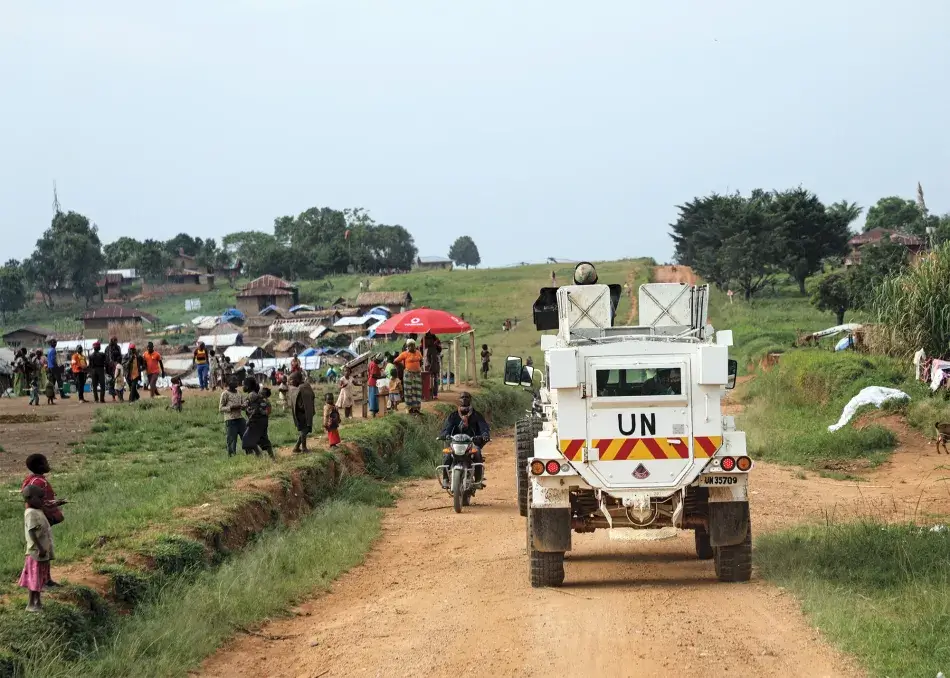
x=111, y=319
x=914, y=244
x=29, y=336
x=395, y=302
x=268, y=290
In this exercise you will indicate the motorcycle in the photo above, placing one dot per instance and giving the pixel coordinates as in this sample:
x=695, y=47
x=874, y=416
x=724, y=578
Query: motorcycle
x=461, y=471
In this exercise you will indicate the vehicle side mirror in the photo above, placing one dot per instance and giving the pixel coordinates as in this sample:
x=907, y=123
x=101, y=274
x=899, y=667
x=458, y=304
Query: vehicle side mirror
x=733, y=370
x=527, y=376
x=513, y=367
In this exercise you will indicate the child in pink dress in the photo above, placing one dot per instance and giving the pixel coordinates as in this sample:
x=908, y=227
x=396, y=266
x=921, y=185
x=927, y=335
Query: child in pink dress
x=39, y=546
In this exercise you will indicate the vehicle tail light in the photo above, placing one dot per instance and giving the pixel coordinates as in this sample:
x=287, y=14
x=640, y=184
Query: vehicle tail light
x=553, y=467
x=727, y=463
x=744, y=463
x=537, y=467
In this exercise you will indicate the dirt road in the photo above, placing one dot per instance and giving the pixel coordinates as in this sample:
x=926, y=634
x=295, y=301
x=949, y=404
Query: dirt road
x=674, y=274
x=447, y=595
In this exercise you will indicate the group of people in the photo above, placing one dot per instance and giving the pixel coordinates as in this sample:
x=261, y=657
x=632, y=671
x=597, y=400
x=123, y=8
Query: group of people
x=109, y=371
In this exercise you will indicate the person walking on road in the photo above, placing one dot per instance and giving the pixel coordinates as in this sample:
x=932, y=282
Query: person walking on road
x=231, y=405
x=201, y=360
x=97, y=368
x=54, y=370
x=134, y=368
x=78, y=365
x=154, y=367
x=302, y=401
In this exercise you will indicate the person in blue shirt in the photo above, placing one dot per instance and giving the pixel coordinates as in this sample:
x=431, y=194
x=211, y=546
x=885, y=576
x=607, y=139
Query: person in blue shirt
x=53, y=369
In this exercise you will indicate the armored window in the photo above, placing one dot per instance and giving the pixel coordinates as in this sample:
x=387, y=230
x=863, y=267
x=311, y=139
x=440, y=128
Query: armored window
x=662, y=381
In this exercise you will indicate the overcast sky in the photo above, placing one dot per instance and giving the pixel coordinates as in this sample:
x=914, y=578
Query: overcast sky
x=539, y=127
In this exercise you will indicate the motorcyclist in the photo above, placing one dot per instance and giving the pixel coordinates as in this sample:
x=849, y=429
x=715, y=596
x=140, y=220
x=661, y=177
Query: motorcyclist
x=466, y=420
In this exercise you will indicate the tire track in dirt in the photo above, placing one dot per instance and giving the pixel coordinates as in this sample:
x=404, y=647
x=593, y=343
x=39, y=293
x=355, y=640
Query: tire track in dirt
x=448, y=595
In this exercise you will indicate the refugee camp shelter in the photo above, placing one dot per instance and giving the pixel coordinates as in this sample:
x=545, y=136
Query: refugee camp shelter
x=238, y=353
x=393, y=302
x=268, y=290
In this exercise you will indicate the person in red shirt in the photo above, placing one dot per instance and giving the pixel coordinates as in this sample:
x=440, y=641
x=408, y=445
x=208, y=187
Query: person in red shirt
x=372, y=390
x=153, y=368
x=38, y=467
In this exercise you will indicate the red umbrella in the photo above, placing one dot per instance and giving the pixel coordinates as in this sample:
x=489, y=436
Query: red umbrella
x=421, y=320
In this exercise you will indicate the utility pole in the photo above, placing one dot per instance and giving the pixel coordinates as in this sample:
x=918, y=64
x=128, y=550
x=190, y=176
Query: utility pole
x=56, y=208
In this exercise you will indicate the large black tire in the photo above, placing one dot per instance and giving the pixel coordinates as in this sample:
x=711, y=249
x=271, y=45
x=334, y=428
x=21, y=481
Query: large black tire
x=544, y=569
x=734, y=563
x=704, y=550
x=457, y=493
x=525, y=431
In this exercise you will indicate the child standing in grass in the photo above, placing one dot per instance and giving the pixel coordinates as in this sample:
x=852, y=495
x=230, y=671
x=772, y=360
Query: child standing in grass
x=38, y=466
x=331, y=420
x=118, y=382
x=176, y=394
x=35, y=390
x=486, y=361
x=395, y=392
x=39, y=547
x=50, y=392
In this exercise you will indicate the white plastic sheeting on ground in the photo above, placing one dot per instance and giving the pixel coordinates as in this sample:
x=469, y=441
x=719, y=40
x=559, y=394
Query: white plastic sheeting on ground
x=872, y=395
x=837, y=329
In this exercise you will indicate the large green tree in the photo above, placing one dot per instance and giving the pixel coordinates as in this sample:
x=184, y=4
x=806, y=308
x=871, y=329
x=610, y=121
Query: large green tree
x=464, y=252
x=745, y=241
x=122, y=253
x=12, y=288
x=153, y=261
x=807, y=232
x=894, y=213
x=878, y=261
x=67, y=256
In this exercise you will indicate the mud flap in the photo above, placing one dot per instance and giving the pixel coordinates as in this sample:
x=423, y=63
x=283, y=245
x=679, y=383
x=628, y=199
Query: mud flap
x=728, y=522
x=551, y=529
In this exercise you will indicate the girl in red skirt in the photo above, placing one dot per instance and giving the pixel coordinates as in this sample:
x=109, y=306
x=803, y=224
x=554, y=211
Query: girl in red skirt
x=39, y=546
x=331, y=420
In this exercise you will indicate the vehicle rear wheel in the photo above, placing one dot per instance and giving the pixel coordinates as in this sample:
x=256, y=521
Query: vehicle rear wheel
x=525, y=431
x=704, y=550
x=544, y=568
x=734, y=563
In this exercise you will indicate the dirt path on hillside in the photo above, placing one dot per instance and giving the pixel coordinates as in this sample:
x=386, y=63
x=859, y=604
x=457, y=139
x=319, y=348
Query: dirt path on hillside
x=447, y=595
x=674, y=274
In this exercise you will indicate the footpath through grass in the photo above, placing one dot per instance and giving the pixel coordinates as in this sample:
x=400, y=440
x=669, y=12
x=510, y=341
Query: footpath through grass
x=880, y=592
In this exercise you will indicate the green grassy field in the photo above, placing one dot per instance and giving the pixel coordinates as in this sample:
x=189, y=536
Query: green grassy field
x=880, y=592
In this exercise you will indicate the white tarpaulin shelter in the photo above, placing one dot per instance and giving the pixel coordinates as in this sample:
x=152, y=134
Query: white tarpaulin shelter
x=837, y=329
x=219, y=340
x=872, y=395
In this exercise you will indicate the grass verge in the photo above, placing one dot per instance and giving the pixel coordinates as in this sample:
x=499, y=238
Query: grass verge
x=155, y=558
x=195, y=612
x=880, y=592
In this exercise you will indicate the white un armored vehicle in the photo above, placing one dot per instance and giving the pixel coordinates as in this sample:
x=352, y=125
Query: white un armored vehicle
x=627, y=430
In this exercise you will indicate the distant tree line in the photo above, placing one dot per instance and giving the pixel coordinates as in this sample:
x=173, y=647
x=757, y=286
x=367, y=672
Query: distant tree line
x=69, y=256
